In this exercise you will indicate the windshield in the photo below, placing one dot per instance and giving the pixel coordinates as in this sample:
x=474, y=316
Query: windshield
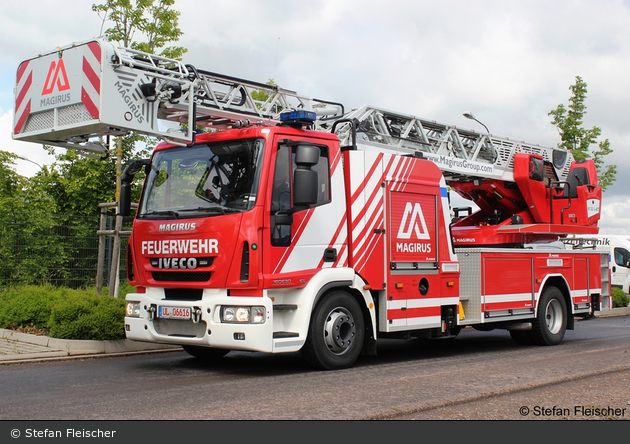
x=209, y=179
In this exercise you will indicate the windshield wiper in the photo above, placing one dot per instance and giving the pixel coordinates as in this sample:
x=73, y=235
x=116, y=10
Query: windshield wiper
x=216, y=209
x=169, y=213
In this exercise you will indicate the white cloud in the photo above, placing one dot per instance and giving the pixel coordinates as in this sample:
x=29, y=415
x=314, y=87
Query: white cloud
x=615, y=216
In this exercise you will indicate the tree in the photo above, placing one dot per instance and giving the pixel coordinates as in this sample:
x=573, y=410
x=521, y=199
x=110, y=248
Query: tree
x=79, y=184
x=262, y=95
x=30, y=250
x=19, y=193
x=578, y=139
x=154, y=19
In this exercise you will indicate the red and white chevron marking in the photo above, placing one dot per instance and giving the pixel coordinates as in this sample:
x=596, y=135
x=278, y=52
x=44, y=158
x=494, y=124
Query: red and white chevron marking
x=367, y=203
x=91, y=85
x=24, y=82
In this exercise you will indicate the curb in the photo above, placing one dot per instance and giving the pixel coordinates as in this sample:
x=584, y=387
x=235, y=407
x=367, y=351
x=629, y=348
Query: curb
x=71, y=347
x=613, y=312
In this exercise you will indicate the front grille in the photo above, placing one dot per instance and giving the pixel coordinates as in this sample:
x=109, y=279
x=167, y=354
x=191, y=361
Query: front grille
x=183, y=294
x=181, y=276
x=180, y=328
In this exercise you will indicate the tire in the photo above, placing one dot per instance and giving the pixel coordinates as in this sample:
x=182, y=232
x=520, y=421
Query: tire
x=551, y=321
x=336, y=333
x=521, y=337
x=205, y=353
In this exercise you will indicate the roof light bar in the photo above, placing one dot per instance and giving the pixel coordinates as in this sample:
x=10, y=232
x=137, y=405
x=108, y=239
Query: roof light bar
x=302, y=117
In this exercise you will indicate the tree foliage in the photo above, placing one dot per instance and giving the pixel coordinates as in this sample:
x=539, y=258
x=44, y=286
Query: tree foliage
x=25, y=254
x=154, y=20
x=575, y=137
x=80, y=184
x=262, y=95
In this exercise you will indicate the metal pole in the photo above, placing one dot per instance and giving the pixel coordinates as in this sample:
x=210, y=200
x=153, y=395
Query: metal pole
x=113, y=275
x=101, y=249
x=118, y=168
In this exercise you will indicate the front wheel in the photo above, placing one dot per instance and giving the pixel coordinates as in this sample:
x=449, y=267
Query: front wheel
x=551, y=321
x=335, y=334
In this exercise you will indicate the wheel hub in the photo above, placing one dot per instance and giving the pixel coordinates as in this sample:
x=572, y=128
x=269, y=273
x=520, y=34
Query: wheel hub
x=339, y=331
x=554, y=316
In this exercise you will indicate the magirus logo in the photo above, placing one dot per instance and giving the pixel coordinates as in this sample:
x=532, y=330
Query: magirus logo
x=413, y=221
x=178, y=227
x=57, y=76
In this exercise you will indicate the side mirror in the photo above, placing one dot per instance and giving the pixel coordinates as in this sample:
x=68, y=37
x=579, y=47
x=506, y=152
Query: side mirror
x=131, y=170
x=305, y=180
x=125, y=199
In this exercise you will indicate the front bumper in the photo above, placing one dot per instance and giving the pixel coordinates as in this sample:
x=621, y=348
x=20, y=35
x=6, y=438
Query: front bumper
x=206, y=328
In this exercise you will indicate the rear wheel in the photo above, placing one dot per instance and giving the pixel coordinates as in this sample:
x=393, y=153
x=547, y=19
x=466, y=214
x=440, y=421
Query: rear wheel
x=551, y=321
x=205, y=353
x=335, y=334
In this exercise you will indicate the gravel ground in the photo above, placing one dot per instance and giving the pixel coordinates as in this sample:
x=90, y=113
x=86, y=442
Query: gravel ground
x=601, y=397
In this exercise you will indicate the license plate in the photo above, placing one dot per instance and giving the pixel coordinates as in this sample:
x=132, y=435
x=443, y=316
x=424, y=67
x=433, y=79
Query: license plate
x=173, y=313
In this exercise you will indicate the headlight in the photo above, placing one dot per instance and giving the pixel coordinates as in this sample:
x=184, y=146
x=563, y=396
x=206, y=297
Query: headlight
x=243, y=315
x=133, y=309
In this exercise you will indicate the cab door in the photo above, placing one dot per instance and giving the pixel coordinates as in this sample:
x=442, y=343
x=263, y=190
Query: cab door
x=302, y=239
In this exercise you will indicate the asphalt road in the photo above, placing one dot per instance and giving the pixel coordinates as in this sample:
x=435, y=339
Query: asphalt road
x=479, y=375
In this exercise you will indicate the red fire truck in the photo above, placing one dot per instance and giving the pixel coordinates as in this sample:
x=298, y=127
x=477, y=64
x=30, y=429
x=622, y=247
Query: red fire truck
x=294, y=224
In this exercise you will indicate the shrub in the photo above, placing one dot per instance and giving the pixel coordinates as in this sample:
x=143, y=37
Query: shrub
x=28, y=306
x=88, y=317
x=68, y=313
x=620, y=297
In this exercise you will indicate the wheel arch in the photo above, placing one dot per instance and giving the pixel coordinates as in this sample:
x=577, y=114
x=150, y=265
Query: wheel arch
x=561, y=284
x=364, y=298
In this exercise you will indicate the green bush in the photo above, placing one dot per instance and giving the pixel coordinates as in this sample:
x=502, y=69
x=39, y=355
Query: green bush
x=88, y=317
x=620, y=297
x=65, y=313
x=28, y=306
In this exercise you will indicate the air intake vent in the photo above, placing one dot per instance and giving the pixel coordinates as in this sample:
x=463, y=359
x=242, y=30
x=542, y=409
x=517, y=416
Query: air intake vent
x=183, y=294
x=181, y=276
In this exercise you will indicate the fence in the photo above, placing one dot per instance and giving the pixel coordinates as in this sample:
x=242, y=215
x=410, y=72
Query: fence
x=61, y=250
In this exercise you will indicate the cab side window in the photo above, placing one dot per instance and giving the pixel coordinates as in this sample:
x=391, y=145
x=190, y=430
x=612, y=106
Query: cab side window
x=281, y=197
x=281, y=201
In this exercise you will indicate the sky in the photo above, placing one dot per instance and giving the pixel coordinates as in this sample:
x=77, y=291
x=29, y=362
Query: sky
x=508, y=62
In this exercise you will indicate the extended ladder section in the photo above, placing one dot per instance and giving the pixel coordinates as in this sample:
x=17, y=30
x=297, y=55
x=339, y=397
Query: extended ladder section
x=461, y=154
x=77, y=96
